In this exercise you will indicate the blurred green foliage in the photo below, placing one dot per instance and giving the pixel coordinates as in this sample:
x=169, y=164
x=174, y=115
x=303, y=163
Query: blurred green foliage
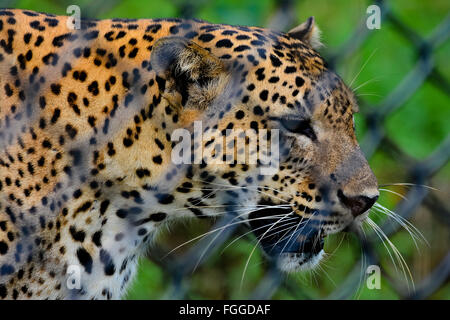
x=417, y=128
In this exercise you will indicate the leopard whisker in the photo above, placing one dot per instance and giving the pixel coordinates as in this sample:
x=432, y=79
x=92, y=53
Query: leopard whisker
x=284, y=236
x=293, y=233
x=408, y=226
x=366, y=83
x=406, y=184
x=362, y=68
x=393, y=192
x=330, y=255
x=212, y=241
x=361, y=233
x=243, y=235
x=322, y=269
x=217, y=229
x=254, y=248
x=371, y=224
x=368, y=94
x=279, y=231
x=396, y=252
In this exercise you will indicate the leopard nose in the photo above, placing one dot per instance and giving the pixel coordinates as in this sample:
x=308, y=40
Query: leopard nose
x=357, y=205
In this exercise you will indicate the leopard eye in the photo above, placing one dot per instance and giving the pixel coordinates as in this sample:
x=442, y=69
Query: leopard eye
x=299, y=126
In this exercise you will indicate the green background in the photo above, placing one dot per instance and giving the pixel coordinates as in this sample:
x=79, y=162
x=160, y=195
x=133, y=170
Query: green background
x=416, y=129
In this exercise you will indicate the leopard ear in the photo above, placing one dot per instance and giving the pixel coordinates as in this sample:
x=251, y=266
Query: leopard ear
x=307, y=32
x=189, y=75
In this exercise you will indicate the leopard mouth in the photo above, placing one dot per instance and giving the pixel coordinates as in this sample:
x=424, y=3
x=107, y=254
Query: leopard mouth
x=294, y=242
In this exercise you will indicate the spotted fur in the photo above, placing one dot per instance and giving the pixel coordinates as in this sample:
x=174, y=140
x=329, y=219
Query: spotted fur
x=86, y=117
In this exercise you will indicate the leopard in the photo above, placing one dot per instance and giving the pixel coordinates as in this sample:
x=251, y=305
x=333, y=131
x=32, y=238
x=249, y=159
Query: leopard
x=88, y=176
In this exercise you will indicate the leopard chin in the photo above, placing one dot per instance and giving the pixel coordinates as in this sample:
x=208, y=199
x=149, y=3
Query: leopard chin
x=298, y=255
x=290, y=262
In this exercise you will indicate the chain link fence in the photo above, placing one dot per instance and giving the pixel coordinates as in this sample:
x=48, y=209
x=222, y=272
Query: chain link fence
x=178, y=268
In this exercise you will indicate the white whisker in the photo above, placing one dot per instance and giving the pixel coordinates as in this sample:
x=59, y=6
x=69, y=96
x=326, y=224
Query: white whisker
x=397, y=254
x=254, y=248
x=362, y=68
x=393, y=192
x=409, y=185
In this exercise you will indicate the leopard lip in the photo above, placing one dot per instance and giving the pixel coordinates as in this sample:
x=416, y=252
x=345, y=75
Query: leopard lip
x=290, y=235
x=312, y=245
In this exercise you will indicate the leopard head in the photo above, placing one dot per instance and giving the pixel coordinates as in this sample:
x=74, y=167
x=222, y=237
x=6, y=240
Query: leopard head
x=281, y=92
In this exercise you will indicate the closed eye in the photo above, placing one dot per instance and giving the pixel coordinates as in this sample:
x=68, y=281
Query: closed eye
x=299, y=126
